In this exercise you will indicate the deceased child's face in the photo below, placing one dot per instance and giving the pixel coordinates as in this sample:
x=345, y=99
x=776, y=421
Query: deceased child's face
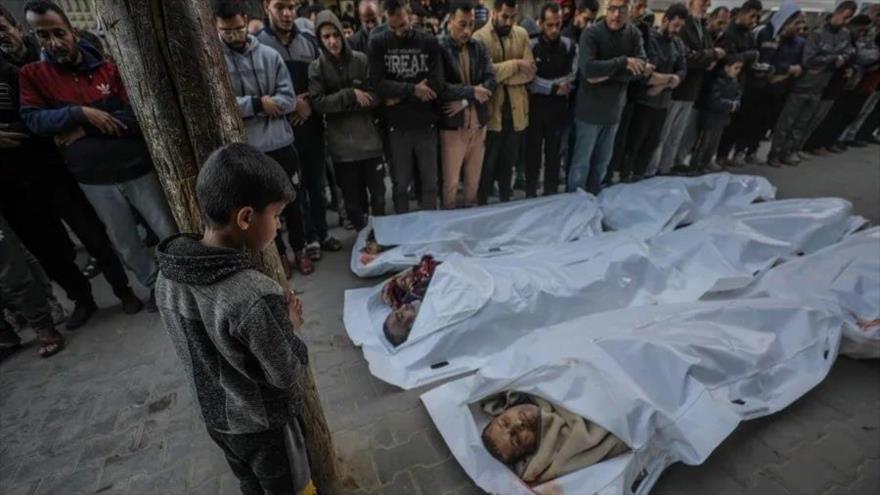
x=399, y=323
x=513, y=434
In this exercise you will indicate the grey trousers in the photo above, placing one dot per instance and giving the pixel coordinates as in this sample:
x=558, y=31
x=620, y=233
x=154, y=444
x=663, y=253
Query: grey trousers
x=794, y=123
x=22, y=282
x=114, y=202
x=819, y=115
x=850, y=133
x=671, y=136
x=413, y=148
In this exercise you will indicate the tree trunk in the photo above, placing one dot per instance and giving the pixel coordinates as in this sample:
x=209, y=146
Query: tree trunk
x=173, y=68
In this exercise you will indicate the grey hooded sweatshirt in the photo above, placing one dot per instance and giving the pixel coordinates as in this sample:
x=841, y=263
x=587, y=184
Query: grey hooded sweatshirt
x=260, y=71
x=230, y=327
x=351, y=132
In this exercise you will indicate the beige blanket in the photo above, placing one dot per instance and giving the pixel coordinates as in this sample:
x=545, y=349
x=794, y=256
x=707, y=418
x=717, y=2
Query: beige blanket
x=566, y=442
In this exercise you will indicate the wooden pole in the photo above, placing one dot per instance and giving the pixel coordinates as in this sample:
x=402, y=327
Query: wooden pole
x=171, y=61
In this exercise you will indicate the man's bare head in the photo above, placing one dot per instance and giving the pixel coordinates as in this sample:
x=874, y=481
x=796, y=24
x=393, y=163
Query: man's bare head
x=513, y=434
x=399, y=323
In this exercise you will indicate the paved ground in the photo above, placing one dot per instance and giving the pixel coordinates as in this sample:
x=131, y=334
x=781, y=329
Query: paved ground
x=112, y=414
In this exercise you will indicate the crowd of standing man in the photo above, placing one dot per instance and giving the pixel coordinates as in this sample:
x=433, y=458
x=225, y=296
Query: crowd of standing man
x=455, y=101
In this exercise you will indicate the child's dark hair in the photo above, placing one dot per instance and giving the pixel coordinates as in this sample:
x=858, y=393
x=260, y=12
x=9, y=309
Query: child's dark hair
x=227, y=9
x=236, y=176
x=730, y=59
x=42, y=6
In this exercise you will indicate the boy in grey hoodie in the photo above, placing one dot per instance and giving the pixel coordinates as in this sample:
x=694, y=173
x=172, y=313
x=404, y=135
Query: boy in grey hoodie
x=233, y=327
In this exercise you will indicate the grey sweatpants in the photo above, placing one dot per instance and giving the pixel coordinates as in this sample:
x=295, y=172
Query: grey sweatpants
x=22, y=284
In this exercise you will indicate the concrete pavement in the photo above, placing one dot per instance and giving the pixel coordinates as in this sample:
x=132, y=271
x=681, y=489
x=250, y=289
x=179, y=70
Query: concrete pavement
x=112, y=413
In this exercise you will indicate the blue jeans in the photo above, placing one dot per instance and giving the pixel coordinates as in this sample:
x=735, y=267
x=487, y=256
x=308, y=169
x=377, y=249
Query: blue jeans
x=593, y=148
x=114, y=202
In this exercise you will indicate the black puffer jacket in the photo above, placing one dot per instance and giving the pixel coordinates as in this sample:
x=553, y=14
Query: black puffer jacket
x=351, y=134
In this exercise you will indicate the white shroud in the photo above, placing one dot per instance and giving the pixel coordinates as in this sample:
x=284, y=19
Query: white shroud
x=670, y=381
x=477, y=307
x=655, y=205
x=494, y=230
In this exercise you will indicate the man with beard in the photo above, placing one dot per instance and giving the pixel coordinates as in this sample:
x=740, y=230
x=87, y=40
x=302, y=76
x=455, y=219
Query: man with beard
x=666, y=53
x=77, y=97
x=298, y=49
x=370, y=18
x=514, y=64
x=265, y=96
x=610, y=55
x=584, y=14
x=407, y=74
x=470, y=82
x=550, y=115
x=827, y=49
x=701, y=57
x=37, y=192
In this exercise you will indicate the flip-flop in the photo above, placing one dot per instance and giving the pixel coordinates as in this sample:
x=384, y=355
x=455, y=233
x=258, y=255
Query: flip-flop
x=49, y=346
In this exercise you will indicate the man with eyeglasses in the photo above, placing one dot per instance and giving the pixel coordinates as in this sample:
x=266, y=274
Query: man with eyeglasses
x=610, y=55
x=265, y=96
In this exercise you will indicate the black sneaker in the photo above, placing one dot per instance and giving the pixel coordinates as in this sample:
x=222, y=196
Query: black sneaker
x=151, y=302
x=331, y=244
x=131, y=304
x=81, y=314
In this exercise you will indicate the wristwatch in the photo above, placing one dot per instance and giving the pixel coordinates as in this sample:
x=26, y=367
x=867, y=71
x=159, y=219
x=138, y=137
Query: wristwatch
x=465, y=102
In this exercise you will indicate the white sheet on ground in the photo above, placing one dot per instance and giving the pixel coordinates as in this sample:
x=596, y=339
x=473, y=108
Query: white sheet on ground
x=670, y=381
x=476, y=307
x=485, y=231
x=846, y=276
x=659, y=204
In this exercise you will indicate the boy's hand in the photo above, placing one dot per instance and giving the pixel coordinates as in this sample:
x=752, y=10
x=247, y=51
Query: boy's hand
x=295, y=310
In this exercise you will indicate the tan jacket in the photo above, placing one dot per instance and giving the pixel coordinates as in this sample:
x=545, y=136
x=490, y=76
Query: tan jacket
x=508, y=75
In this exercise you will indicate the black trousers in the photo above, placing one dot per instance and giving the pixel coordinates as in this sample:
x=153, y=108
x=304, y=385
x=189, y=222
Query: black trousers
x=643, y=139
x=258, y=460
x=543, y=140
x=502, y=153
x=619, y=157
x=36, y=210
x=293, y=214
x=871, y=124
x=844, y=111
x=356, y=179
x=309, y=144
x=740, y=134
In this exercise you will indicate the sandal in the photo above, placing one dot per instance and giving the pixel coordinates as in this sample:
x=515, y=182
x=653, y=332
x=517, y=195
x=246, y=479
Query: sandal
x=91, y=270
x=303, y=264
x=50, y=345
x=313, y=251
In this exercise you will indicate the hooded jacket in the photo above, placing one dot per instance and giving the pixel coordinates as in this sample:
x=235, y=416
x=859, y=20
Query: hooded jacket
x=52, y=101
x=481, y=72
x=351, y=133
x=822, y=48
x=230, y=327
x=256, y=72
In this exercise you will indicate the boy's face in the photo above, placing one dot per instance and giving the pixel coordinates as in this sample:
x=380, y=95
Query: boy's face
x=733, y=70
x=260, y=227
x=331, y=39
x=514, y=433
